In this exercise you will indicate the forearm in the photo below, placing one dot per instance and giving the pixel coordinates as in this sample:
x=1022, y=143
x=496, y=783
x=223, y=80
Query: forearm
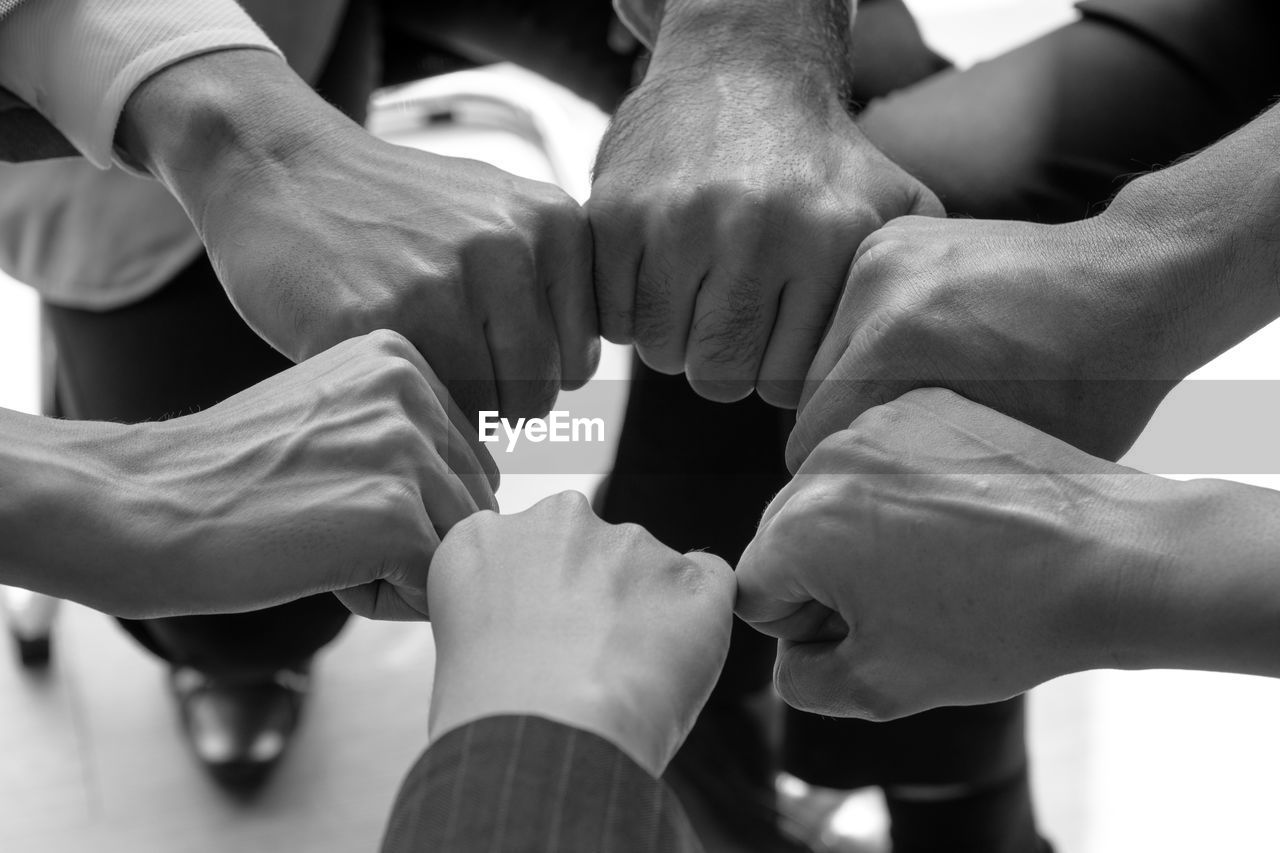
x=205, y=124
x=1205, y=232
x=63, y=527
x=1208, y=596
x=802, y=40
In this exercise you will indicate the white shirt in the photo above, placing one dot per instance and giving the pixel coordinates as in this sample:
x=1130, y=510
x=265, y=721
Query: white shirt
x=78, y=61
x=100, y=238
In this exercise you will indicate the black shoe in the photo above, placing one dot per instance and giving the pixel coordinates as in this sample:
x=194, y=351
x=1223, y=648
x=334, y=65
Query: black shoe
x=30, y=618
x=239, y=727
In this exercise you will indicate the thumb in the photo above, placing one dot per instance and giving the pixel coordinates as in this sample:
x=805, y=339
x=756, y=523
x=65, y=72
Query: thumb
x=927, y=204
x=771, y=593
x=819, y=678
x=717, y=577
x=381, y=600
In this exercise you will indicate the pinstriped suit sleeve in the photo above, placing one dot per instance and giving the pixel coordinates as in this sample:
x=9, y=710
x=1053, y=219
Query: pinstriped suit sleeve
x=519, y=784
x=7, y=6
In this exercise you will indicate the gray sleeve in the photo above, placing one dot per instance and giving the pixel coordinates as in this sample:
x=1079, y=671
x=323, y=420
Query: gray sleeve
x=520, y=783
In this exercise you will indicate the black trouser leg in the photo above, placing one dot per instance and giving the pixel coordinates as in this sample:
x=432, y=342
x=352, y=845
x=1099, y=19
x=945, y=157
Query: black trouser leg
x=176, y=352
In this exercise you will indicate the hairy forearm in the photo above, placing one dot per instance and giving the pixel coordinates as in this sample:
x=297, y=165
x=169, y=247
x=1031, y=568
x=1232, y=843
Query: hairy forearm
x=1208, y=595
x=63, y=526
x=802, y=40
x=1208, y=231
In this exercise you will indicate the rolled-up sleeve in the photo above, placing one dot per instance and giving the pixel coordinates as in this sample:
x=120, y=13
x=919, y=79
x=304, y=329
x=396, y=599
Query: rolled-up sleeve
x=78, y=61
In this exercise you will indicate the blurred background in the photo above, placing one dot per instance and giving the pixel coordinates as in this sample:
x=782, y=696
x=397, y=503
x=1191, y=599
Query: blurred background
x=92, y=760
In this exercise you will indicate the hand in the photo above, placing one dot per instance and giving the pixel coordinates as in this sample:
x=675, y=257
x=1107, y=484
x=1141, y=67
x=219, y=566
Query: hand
x=555, y=613
x=320, y=232
x=336, y=475
x=939, y=553
x=1067, y=328
x=725, y=211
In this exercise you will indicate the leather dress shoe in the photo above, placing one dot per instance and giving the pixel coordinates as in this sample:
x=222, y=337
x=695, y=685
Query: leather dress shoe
x=239, y=726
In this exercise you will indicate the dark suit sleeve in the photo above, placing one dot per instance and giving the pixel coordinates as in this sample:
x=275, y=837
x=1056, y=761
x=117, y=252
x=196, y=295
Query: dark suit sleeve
x=518, y=784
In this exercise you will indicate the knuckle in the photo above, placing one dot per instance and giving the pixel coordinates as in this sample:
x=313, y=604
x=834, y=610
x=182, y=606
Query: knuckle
x=932, y=402
x=853, y=451
x=502, y=240
x=553, y=207
x=632, y=535
x=396, y=499
x=401, y=370
x=930, y=398
x=402, y=381
x=397, y=430
x=609, y=211
x=680, y=199
x=474, y=526
x=388, y=342
x=854, y=444
x=868, y=432
x=694, y=577
x=570, y=502
x=752, y=215
x=880, y=256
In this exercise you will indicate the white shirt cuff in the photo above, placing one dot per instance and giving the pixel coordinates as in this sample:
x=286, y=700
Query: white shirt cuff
x=78, y=61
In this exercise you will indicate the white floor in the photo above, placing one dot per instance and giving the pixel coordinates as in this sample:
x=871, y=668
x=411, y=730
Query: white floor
x=1176, y=762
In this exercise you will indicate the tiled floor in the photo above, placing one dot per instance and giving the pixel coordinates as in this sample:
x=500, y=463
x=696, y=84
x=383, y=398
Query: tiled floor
x=1174, y=762
x=92, y=759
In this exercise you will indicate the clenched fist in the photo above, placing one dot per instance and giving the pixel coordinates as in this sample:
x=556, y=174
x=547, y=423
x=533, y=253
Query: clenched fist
x=939, y=553
x=727, y=206
x=340, y=474
x=320, y=232
x=1075, y=329
x=554, y=612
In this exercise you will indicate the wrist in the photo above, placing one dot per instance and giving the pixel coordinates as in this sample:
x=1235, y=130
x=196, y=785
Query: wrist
x=1134, y=289
x=1186, y=269
x=804, y=48
x=67, y=530
x=1212, y=599
x=1116, y=617
x=204, y=125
